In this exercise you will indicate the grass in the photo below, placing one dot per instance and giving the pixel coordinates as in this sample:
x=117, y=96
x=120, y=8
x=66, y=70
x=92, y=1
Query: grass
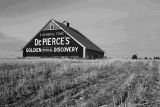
x=79, y=83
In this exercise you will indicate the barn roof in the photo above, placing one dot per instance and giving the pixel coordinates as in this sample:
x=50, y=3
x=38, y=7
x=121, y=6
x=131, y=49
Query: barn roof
x=79, y=37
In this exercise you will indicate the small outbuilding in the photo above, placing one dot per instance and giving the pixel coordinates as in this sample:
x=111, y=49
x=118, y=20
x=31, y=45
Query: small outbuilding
x=57, y=39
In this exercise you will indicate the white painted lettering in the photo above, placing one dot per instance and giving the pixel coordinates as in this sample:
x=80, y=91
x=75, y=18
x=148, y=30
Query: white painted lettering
x=65, y=49
x=44, y=41
x=49, y=41
x=33, y=50
x=58, y=39
x=36, y=42
x=62, y=40
x=67, y=40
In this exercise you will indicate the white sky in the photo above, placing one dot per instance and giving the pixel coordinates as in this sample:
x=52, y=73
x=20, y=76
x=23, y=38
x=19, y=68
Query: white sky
x=120, y=27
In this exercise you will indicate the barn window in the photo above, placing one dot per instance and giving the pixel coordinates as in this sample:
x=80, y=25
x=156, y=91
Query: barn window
x=51, y=27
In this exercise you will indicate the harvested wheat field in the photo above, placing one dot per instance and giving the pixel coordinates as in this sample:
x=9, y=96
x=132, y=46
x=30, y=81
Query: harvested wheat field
x=79, y=83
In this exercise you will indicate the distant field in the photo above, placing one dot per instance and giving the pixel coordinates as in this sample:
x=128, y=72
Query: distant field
x=79, y=83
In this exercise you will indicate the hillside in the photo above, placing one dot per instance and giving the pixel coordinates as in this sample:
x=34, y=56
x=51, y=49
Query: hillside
x=79, y=83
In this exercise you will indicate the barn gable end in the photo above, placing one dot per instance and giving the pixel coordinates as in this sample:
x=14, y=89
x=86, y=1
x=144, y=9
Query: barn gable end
x=52, y=41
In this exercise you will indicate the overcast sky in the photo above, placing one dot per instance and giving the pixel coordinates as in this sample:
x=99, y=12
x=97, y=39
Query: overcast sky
x=120, y=27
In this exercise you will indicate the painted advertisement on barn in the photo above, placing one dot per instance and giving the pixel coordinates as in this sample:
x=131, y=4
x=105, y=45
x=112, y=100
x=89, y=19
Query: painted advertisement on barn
x=53, y=43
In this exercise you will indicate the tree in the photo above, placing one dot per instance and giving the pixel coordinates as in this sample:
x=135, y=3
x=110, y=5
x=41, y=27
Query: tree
x=134, y=56
x=156, y=57
x=145, y=57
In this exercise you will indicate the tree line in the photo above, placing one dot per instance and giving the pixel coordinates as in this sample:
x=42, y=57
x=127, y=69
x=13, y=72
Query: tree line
x=135, y=56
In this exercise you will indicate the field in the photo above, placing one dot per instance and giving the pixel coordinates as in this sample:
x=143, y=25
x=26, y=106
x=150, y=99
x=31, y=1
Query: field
x=79, y=83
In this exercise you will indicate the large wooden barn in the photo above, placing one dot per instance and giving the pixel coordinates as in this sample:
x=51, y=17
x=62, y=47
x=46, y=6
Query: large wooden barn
x=57, y=39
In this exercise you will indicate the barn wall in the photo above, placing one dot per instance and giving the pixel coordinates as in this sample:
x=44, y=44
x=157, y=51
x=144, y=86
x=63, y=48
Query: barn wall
x=50, y=43
x=91, y=54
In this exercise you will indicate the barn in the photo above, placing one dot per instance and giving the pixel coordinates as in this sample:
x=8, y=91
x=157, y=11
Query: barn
x=57, y=39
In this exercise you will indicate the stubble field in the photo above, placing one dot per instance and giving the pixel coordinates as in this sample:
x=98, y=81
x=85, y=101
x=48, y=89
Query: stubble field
x=79, y=83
